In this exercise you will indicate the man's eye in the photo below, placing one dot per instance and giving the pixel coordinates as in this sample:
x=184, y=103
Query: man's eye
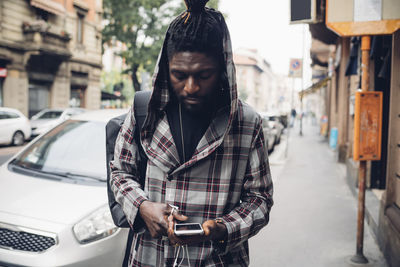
x=205, y=75
x=179, y=76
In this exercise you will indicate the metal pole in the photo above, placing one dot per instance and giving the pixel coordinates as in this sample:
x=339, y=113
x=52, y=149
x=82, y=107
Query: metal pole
x=301, y=115
x=359, y=257
x=291, y=122
x=302, y=82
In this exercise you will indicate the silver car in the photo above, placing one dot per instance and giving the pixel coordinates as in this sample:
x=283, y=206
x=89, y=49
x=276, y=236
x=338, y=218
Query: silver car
x=53, y=199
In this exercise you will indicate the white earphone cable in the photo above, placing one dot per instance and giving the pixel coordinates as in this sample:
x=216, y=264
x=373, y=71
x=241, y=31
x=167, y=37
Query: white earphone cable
x=176, y=255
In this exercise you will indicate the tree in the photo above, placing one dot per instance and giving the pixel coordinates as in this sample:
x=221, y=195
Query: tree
x=140, y=25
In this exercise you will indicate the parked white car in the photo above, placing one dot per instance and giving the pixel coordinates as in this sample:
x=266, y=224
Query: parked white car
x=53, y=199
x=269, y=134
x=14, y=127
x=274, y=123
x=50, y=117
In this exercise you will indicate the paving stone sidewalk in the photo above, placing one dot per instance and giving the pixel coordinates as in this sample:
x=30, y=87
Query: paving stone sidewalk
x=313, y=221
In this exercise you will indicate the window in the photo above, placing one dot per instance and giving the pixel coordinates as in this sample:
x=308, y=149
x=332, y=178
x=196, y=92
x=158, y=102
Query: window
x=8, y=115
x=42, y=14
x=79, y=145
x=77, y=99
x=50, y=115
x=79, y=30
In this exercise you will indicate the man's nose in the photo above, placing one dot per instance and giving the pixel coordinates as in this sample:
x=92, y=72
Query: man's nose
x=191, y=86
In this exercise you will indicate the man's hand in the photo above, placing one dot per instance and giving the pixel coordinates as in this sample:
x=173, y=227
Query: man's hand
x=155, y=215
x=212, y=231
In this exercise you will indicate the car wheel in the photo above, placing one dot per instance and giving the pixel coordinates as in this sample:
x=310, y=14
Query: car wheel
x=18, y=138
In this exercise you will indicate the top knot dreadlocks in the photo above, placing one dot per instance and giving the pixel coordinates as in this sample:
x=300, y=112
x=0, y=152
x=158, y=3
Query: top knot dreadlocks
x=196, y=30
x=195, y=6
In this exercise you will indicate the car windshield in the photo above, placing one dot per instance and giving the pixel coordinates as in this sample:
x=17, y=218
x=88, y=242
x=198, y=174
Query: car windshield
x=74, y=148
x=49, y=115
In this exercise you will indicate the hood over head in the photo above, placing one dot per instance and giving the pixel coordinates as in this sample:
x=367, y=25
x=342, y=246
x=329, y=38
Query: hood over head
x=198, y=29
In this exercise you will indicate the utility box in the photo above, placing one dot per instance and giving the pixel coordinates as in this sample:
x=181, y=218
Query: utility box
x=368, y=126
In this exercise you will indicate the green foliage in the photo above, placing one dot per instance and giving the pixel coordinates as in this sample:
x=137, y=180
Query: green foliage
x=213, y=3
x=140, y=25
x=108, y=79
x=113, y=77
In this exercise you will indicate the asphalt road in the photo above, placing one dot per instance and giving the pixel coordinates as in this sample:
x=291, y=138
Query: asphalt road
x=7, y=152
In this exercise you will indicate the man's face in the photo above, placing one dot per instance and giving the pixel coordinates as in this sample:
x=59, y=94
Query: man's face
x=194, y=78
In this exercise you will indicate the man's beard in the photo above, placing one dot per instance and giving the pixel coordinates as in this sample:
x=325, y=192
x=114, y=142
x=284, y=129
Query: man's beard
x=206, y=105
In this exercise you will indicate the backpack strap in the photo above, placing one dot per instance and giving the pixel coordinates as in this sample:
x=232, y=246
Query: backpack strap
x=140, y=106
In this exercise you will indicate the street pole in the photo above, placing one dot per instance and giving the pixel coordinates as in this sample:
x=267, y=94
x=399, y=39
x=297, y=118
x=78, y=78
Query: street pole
x=302, y=82
x=359, y=257
x=301, y=115
x=291, y=122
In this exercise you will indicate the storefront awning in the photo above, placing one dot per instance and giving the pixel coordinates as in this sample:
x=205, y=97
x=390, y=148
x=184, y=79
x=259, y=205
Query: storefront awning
x=320, y=32
x=109, y=96
x=315, y=87
x=49, y=6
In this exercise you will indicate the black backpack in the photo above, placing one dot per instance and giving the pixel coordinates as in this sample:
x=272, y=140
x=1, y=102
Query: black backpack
x=113, y=127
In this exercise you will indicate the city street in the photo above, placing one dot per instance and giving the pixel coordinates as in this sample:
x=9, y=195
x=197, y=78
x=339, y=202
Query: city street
x=322, y=75
x=313, y=220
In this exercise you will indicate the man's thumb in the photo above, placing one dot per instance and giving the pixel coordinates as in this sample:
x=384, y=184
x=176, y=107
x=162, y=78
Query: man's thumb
x=180, y=217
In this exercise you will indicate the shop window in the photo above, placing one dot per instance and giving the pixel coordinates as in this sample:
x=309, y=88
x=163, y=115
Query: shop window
x=77, y=99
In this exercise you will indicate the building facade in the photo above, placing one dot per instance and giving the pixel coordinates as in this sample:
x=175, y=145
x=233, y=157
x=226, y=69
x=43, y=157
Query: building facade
x=50, y=54
x=339, y=60
x=258, y=85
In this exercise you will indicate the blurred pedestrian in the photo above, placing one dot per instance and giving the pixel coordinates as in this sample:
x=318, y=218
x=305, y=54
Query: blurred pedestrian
x=293, y=115
x=207, y=162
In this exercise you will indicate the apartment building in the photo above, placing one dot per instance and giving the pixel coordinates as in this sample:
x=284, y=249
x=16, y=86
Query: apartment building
x=50, y=54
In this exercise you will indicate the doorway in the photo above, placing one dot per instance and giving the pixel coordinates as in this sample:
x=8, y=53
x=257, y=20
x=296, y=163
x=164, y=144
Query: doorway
x=39, y=96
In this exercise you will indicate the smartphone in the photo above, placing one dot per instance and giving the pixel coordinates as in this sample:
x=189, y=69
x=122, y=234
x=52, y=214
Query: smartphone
x=188, y=229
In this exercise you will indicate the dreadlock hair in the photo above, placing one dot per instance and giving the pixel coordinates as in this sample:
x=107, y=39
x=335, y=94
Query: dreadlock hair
x=196, y=30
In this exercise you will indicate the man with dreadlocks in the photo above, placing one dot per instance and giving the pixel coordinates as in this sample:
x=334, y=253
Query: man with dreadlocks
x=205, y=150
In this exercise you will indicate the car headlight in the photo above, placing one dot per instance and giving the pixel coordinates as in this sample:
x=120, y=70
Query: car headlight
x=97, y=225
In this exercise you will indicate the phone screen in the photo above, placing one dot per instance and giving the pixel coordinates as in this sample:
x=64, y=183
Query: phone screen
x=187, y=227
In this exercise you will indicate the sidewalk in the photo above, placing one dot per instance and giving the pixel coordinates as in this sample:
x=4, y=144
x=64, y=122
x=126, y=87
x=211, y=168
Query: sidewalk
x=313, y=220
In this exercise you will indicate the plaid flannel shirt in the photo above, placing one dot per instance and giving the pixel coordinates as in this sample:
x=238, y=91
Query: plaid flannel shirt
x=228, y=177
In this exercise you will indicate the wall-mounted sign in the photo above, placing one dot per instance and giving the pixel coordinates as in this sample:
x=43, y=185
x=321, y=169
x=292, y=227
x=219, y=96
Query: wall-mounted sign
x=296, y=68
x=368, y=126
x=3, y=72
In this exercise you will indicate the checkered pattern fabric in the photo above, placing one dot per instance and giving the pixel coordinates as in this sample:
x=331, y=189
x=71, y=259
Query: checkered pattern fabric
x=227, y=177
